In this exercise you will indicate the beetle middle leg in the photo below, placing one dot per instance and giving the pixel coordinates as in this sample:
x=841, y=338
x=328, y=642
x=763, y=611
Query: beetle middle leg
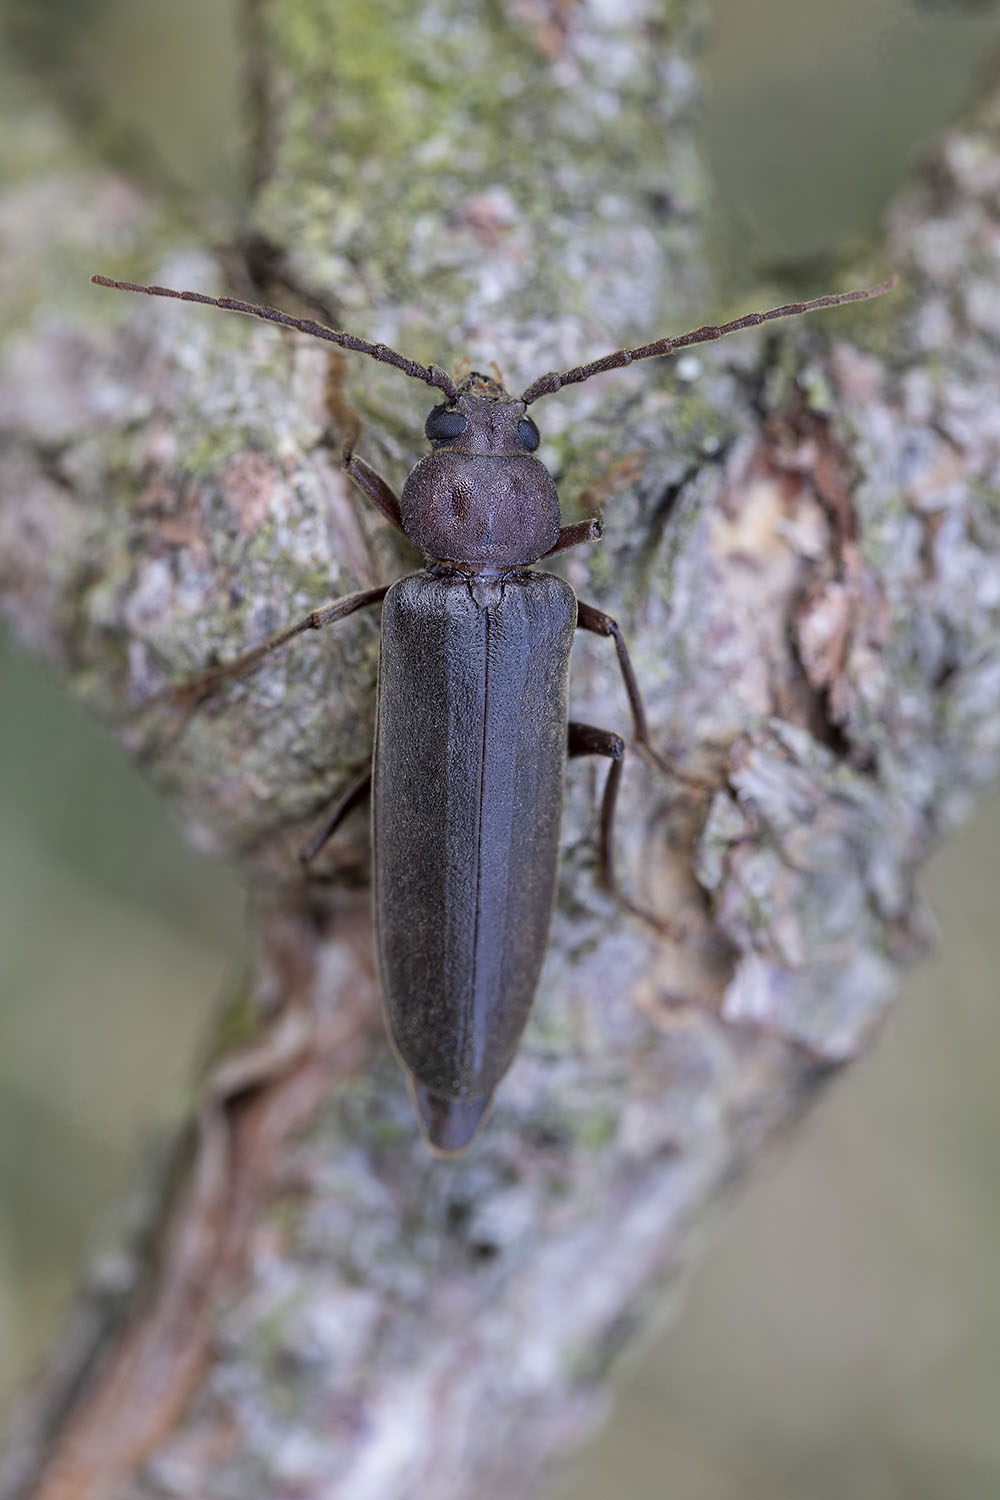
x=194, y=689
x=595, y=620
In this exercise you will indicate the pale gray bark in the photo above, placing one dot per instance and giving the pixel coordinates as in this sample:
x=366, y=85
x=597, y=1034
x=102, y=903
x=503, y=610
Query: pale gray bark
x=805, y=560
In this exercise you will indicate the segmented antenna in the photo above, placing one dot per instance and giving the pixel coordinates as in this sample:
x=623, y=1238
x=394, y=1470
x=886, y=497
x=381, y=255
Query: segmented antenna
x=546, y=385
x=430, y=374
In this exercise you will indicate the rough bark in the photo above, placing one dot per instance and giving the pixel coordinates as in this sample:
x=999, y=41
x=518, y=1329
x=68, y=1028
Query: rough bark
x=805, y=562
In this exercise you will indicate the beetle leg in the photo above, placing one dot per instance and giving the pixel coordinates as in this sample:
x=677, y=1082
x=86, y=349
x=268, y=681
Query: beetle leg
x=196, y=688
x=355, y=794
x=595, y=620
x=375, y=487
x=572, y=536
x=625, y=472
x=585, y=739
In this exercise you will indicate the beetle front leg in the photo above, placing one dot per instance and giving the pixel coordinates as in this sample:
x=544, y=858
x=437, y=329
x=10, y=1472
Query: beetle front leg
x=626, y=471
x=595, y=620
x=579, y=532
x=374, y=486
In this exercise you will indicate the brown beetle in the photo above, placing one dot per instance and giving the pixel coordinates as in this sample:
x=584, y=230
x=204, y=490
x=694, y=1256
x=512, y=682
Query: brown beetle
x=473, y=725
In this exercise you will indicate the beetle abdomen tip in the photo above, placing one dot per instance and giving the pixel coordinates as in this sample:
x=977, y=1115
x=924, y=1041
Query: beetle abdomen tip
x=449, y=1124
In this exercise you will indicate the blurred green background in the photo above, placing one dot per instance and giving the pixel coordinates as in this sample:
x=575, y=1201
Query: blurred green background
x=844, y=1339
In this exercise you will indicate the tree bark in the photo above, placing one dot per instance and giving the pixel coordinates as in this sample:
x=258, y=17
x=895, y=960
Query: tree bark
x=803, y=554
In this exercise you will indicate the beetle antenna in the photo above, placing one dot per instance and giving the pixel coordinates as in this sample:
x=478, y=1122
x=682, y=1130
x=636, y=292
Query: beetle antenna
x=546, y=385
x=430, y=374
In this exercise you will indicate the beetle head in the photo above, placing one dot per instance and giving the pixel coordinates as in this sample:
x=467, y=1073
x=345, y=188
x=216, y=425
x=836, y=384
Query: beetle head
x=481, y=497
x=483, y=418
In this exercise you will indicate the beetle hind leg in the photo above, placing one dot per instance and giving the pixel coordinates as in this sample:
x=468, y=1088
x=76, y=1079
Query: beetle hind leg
x=598, y=623
x=586, y=739
x=346, y=803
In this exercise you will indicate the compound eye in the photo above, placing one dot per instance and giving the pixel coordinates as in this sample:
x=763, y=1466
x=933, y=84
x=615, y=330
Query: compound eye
x=528, y=435
x=444, y=423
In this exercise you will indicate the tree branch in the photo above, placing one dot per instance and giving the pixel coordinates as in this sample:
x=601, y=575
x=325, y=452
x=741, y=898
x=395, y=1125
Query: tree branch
x=805, y=568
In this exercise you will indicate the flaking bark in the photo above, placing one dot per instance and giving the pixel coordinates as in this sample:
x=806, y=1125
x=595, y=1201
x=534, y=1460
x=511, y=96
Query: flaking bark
x=806, y=567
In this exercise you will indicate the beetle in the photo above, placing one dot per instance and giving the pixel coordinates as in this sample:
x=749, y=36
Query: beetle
x=472, y=718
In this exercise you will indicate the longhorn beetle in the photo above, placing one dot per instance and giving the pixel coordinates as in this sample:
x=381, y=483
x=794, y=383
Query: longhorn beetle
x=472, y=720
